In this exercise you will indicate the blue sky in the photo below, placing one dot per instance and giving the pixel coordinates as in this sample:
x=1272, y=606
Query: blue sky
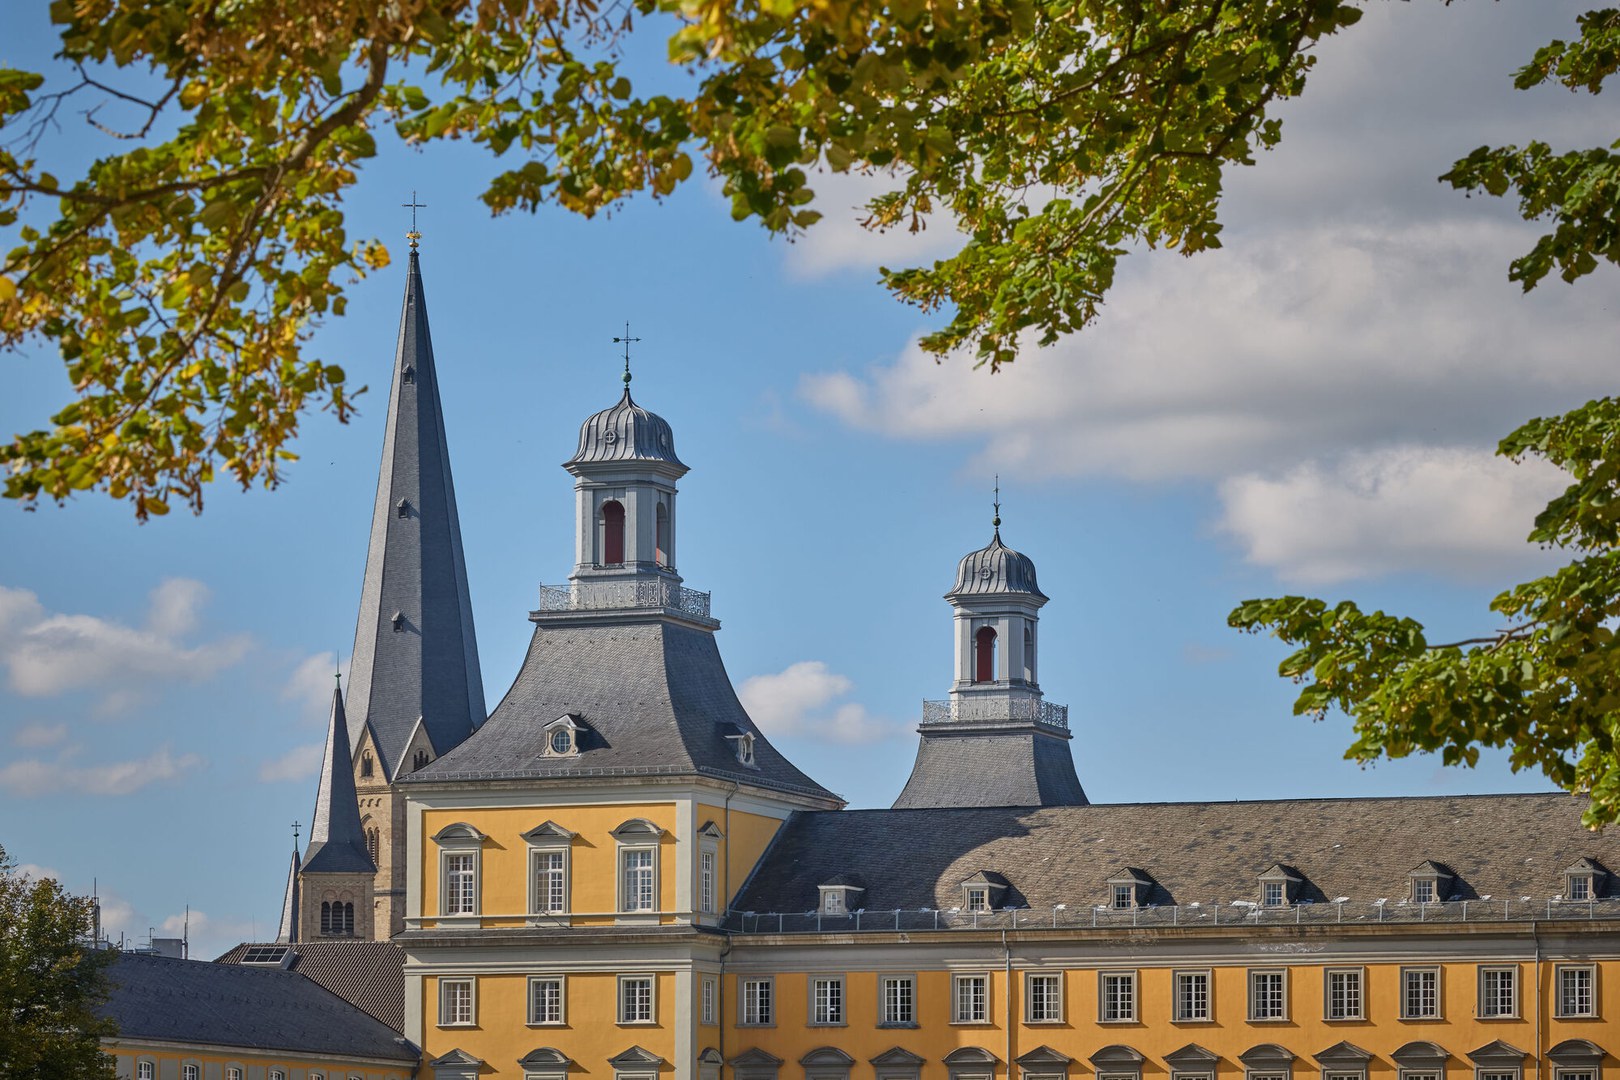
x=1309, y=409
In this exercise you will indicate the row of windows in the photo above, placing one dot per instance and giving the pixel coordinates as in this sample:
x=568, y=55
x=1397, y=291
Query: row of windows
x=147, y=1070
x=1345, y=997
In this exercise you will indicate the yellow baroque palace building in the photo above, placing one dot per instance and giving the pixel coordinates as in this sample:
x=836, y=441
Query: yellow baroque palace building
x=614, y=875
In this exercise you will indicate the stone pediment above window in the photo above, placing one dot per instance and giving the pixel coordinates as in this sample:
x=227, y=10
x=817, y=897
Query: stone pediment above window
x=564, y=737
x=1043, y=1056
x=1497, y=1052
x=840, y=894
x=1577, y=1054
x=456, y=1065
x=827, y=1056
x=711, y=830
x=1279, y=885
x=1416, y=1055
x=548, y=833
x=754, y=1057
x=984, y=891
x=1192, y=1056
x=1129, y=888
x=1431, y=882
x=457, y=1056
x=711, y=1056
x=634, y=1056
x=460, y=834
x=1116, y=1057
x=1587, y=879
x=971, y=1055
x=897, y=1055
x=1344, y=1054
x=1267, y=1056
x=637, y=829
x=546, y=1057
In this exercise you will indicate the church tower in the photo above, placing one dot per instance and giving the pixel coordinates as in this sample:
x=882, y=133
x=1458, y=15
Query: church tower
x=996, y=741
x=415, y=691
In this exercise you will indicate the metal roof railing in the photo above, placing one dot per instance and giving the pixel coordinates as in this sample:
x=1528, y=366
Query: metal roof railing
x=612, y=595
x=1240, y=913
x=969, y=709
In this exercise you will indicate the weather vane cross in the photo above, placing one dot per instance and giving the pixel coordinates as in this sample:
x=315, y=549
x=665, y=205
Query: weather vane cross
x=996, y=521
x=413, y=236
x=626, y=340
x=295, y=836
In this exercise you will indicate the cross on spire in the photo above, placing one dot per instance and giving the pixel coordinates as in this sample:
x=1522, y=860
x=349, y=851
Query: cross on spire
x=996, y=521
x=295, y=835
x=413, y=236
x=626, y=340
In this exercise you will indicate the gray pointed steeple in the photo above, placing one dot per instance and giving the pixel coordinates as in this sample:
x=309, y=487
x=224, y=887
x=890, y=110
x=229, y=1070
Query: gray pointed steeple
x=337, y=843
x=288, y=930
x=415, y=654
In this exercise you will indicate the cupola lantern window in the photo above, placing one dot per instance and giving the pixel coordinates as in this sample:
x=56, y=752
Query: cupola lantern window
x=984, y=655
x=612, y=533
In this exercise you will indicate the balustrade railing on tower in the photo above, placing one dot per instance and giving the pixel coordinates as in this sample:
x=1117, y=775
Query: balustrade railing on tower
x=957, y=710
x=611, y=595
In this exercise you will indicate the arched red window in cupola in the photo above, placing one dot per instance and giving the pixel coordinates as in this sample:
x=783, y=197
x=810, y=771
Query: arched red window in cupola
x=984, y=655
x=612, y=533
x=662, y=553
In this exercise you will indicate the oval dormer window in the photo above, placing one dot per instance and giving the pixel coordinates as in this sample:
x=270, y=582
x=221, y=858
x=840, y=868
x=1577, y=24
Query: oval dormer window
x=562, y=741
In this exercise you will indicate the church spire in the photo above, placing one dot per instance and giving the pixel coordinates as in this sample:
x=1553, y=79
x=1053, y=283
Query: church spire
x=415, y=654
x=337, y=843
x=288, y=930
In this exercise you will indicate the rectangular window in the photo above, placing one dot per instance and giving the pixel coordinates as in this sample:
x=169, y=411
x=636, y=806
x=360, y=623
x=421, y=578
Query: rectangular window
x=978, y=898
x=1274, y=893
x=758, y=1002
x=550, y=882
x=1123, y=896
x=1043, y=996
x=1498, y=991
x=1405, y=1075
x=899, y=1000
x=635, y=999
x=1514, y=1075
x=706, y=879
x=832, y=902
x=189, y=1072
x=233, y=1073
x=711, y=1000
x=1268, y=995
x=144, y=1070
x=1423, y=890
x=827, y=1000
x=1192, y=996
x=1344, y=994
x=1580, y=887
x=640, y=880
x=455, y=1002
x=546, y=999
x=1575, y=1074
x=1117, y=996
x=970, y=999
x=1420, y=993
x=460, y=883
x=1575, y=991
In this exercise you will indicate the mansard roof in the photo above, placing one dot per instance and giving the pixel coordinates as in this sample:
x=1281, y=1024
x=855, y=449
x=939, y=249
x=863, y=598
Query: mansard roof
x=337, y=842
x=1499, y=845
x=427, y=668
x=977, y=767
x=655, y=694
x=626, y=432
x=995, y=569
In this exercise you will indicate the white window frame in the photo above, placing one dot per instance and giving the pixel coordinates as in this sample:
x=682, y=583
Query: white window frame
x=625, y=1016
x=277, y=1074
x=1588, y=886
x=446, y=1018
x=1485, y=971
x=962, y=1006
x=1052, y=997
x=626, y=852
x=541, y=904
x=756, y=1001
x=1358, y=979
x=836, y=987
x=1425, y=890
x=1407, y=973
x=1422, y=1073
x=1124, y=897
x=886, y=1015
x=1273, y=894
x=233, y=1072
x=1591, y=1010
x=1576, y=1072
x=1108, y=1002
x=977, y=898
x=709, y=1000
x=536, y=981
x=145, y=1070
x=1255, y=975
x=708, y=878
x=1496, y=1072
x=192, y=1071
x=456, y=840
x=1177, y=1013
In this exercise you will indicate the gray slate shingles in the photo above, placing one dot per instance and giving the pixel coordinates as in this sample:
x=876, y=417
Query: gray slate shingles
x=337, y=841
x=191, y=1001
x=370, y=975
x=1010, y=768
x=1506, y=846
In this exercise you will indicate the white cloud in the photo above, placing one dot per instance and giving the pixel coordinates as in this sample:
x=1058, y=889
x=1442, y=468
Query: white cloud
x=46, y=654
x=33, y=736
x=37, y=872
x=28, y=778
x=299, y=763
x=799, y=700
x=1453, y=512
x=310, y=686
x=839, y=242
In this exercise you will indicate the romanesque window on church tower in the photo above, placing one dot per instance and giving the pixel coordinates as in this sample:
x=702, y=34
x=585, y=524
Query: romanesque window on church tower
x=420, y=761
x=337, y=918
x=374, y=844
x=984, y=655
x=365, y=764
x=613, y=533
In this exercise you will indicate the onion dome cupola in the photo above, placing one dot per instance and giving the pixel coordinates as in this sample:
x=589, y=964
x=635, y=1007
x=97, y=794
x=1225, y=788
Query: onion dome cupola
x=995, y=741
x=624, y=487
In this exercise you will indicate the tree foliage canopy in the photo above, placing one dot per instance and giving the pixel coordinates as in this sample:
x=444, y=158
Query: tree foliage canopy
x=50, y=982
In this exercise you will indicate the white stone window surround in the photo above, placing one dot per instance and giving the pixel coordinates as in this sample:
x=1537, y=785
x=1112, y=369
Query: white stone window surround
x=639, y=876
x=1344, y=994
x=1043, y=997
x=1116, y=997
x=458, y=1002
x=547, y=841
x=638, y=999
x=756, y=1001
x=897, y=1000
x=458, y=843
x=191, y=1070
x=1422, y=996
x=233, y=1072
x=145, y=1070
x=1268, y=995
x=1575, y=991
x=1192, y=1062
x=1193, y=996
x=708, y=877
x=1498, y=997
x=709, y=1000
x=542, y=999
x=827, y=1000
x=977, y=898
x=970, y=998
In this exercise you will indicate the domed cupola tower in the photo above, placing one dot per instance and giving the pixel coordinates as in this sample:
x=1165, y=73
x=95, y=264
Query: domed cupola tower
x=624, y=486
x=995, y=741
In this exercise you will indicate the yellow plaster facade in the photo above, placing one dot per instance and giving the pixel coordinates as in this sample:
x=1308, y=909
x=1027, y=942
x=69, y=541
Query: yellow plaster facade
x=141, y=1060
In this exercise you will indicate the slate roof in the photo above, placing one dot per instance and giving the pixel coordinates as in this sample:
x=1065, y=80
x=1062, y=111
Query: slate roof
x=654, y=698
x=192, y=1001
x=337, y=841
x=1505, y=846
x=370, y=975
x=1020, y=766
x=626, y=432
x=995, y=568
x=428, y=669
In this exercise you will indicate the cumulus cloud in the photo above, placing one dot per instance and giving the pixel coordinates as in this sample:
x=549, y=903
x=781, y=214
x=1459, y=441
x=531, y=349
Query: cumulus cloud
x=309, y=686
x=33, y=736
x=802, y=699
x=299, y=763
x=45, y=653
x=34, y=777
x=838, y=242
x=1454, y=512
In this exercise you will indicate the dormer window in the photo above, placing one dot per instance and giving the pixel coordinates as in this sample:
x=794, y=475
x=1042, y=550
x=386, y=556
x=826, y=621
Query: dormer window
x=404, y=508
x=562, y=736
x=1124, y=897
x=832, y=902
x=399, y=622
x=983, y=891
x=1423, y=890
x=1279, y=886
x=409, y=375
x=1273, y=894
x=978, y=898
x=1583, y=881
x=839, y=896
x=1128, y=889
x=743, y=744
x=1431, y=883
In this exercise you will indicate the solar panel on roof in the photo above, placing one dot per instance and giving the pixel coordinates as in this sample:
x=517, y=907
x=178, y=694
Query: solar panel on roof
x=265, y=954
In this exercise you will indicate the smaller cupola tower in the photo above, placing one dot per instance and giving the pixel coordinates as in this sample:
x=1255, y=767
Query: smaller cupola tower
x=995, y=741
